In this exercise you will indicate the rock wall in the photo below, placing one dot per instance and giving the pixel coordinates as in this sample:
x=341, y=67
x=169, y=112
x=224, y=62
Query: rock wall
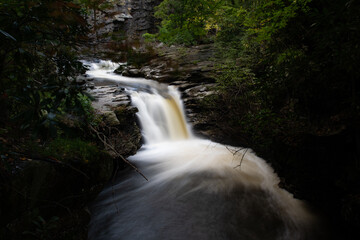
x=142, y=21
x=118, y=121
x=190, y=69
x=128, y=19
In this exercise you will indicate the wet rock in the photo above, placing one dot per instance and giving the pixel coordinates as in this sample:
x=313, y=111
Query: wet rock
x=192, y=95
x=125, y=73
x=110, y=118
x=184, y=87
x=177, y=63
x=90, y=85
x=121, y=69
x=199, y=91
x=124, y=114
x=112, y=105
x=81, y=79
x=134, y=73
x=121, y=100
x=108, y=97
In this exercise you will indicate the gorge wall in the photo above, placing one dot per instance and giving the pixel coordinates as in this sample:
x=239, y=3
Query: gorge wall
x=128, y=19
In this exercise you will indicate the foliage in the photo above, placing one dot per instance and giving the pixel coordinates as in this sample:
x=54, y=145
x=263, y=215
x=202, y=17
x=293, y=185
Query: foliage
x=39, y=67
x=271, y=16
x=184, y=22
x=43, y=228
x=73, y=150
x=287, y=68
x=288, y=84
x=230, y=24
x=307, y=64
x=49, y=178
x=94, y=8
x=139, y=56
x=149, y=37
x=293, y=59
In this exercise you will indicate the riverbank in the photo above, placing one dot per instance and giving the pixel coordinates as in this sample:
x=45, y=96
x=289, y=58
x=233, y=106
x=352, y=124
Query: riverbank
x=47, y=184
x=317, y=161
x=305, y=170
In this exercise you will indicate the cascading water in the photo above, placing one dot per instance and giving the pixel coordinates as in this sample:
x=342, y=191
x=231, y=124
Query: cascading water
x=161, y=117
x=197, y=189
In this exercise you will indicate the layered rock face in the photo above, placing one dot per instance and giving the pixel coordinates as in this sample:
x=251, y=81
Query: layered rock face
x=128, y=19
x=142, y=21
x=118, y=121
x=191, y=70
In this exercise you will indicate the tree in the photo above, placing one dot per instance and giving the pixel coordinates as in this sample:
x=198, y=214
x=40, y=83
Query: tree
x=185, y=21
x=38, y=61
x=96, y=6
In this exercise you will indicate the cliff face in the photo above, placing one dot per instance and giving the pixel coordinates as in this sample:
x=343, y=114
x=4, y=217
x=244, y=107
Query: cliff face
x=142, y=21
x=127, y=19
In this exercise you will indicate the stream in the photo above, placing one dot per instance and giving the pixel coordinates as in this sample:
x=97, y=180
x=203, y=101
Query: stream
x=197, y=189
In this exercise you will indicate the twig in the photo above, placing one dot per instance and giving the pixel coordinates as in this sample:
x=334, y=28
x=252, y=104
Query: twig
x=234, y=153
x=242, y=159
x=116, y=152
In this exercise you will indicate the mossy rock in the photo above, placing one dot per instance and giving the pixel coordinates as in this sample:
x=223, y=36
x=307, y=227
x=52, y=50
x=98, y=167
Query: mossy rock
x=125, y=115
x=110, y=118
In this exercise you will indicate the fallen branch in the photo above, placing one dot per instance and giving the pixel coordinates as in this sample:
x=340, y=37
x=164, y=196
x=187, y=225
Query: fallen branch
x=104, y=139
x=242, y=158
x=234, y=153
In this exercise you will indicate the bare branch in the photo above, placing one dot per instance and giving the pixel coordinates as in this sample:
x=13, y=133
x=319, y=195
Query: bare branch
x=112, y=148
x=242, y=158
x=234, y=152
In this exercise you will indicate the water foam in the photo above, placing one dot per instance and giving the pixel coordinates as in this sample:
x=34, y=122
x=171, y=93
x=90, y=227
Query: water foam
x=197, y=189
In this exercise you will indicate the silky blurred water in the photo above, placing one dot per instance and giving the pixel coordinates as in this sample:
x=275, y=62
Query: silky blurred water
x=197, y=189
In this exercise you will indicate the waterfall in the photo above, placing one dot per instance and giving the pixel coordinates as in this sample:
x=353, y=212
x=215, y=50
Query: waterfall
x=162, y=118
x=197, y=189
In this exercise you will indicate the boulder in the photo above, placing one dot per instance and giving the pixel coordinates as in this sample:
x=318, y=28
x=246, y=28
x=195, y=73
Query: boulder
x=121, y=69
x=119, y=123
x=110, y=119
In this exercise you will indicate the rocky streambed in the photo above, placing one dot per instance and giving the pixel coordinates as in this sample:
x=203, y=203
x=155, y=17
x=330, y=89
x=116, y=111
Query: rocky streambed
x=190, y=69
x=111, y=102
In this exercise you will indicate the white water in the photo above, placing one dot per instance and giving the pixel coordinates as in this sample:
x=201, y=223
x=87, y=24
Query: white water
x=196, y=188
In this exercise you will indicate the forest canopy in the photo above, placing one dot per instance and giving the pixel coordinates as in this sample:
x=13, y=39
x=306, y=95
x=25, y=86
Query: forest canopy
x=288, y=84
x=287, y=66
